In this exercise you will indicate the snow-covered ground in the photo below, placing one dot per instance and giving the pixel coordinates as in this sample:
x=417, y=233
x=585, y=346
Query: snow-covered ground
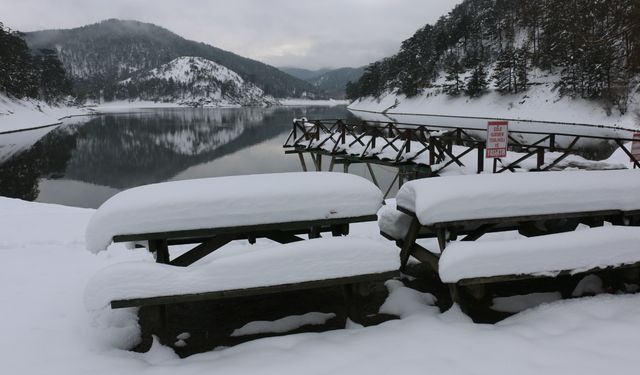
x=24, y=114
x=528, y=110
x=47, y=330
x=293, y=102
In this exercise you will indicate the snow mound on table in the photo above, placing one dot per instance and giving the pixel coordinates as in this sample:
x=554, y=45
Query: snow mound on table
x=579, y=251
x=393, y=222
x=232, y=201
x=440, y=200
x=297, y=262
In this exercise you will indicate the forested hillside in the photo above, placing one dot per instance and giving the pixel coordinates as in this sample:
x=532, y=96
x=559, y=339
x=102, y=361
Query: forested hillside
x=587, y=48
x=99, y=56
x=331, y=82
x=30, y=74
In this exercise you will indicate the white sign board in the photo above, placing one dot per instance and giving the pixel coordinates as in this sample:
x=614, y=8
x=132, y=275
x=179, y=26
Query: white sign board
x=635, y=146
x=497, y=139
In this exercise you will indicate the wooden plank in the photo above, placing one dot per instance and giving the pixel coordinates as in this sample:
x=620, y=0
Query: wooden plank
x=507, y=278
x=526, y=218
x=325, y=224
x=201, y=251
x=425, y=256
x=511, y=219
x=222, y=294
x=282, y=237
x=479, y=232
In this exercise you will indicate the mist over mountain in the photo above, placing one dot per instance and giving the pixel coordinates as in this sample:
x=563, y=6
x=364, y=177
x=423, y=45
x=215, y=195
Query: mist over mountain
x=99, y=56
x=304, y=74
x=332, y=82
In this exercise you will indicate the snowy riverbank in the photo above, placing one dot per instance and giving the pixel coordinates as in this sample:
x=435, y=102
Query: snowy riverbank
x=124, y=105
x=16, y=114
x=46, y=328
x=539, y=103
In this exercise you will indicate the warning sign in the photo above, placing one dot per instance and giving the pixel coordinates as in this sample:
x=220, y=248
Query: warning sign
x=497, y=139
x=635, y=146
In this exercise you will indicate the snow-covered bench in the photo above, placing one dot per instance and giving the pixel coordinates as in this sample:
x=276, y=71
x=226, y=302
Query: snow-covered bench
x=214, y=211
x=581, y=251
x=348, y=264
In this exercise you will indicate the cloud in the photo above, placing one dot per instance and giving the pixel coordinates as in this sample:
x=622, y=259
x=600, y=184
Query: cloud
x=303, y=33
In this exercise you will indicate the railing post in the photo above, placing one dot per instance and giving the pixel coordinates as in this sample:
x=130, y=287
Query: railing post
x=480, y=158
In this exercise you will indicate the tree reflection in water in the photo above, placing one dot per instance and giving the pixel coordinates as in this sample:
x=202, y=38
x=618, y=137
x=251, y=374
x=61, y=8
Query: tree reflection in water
x=121, y=151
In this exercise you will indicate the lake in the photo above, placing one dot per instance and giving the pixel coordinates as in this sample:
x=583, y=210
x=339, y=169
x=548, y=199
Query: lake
x=89, y=159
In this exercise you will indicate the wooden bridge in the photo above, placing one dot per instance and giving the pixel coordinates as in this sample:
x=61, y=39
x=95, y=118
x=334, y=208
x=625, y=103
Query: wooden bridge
x=418, y=150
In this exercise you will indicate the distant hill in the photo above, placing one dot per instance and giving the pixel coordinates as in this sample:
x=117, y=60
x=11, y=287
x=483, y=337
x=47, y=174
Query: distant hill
x=99, y=56
x=193, y=81
x=331, y=82
x=304, y=74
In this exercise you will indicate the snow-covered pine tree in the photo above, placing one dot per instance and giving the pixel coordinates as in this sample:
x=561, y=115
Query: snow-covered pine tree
x=521, y=69
x=453, y=82
x=503, y=74
x=477, y=82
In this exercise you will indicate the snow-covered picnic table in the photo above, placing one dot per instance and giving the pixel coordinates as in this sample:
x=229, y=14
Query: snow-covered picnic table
x=215, y=211
x=547, y=207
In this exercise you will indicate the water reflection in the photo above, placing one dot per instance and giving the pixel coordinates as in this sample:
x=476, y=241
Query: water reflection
x=83, y=164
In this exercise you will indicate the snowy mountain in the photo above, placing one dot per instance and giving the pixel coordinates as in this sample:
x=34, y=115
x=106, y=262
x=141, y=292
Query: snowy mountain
x=100, y=55
x=193, y=81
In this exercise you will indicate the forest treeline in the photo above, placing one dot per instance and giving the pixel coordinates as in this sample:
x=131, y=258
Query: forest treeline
x=590, y=47
x=25, y=73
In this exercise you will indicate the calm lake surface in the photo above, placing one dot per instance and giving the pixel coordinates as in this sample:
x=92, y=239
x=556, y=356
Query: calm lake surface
x=89, y=159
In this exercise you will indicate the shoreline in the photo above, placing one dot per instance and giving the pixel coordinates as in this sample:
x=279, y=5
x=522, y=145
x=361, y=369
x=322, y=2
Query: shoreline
x=32, y=111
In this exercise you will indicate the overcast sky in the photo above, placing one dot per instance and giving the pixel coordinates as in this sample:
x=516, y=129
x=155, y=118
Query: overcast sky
x=301, y=33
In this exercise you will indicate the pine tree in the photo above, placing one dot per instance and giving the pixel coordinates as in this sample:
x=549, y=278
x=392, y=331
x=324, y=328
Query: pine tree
x=477, y=82
x=521, y=69
x=453, y=82
x=53, y=80
x=503, y=74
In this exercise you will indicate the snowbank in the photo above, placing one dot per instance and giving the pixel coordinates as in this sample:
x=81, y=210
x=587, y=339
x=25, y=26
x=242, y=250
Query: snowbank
x=440, y=200
x=46, y=329
x=232, y=201
x=579, y=251
x=539, y=104
x=302, y=261
x=25, y=114
x=294, y=102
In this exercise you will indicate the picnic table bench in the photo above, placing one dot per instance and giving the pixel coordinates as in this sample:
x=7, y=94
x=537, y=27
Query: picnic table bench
x=548, y=207
x=297, y=276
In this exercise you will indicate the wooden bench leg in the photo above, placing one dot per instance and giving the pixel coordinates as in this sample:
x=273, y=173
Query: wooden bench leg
x=161, y=250
x=352, y=303
x=314, y=232
x=153, y=322
x=407, y=244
